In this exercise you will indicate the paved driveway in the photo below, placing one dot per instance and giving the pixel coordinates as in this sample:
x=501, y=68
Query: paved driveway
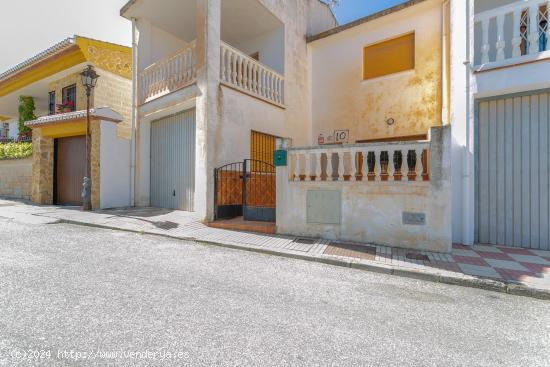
x=69, y=294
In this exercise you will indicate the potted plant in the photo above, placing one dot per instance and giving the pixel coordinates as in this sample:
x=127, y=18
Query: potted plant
x=66, y=106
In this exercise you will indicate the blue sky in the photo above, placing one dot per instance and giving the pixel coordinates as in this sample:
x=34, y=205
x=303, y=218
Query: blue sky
x=349, y=10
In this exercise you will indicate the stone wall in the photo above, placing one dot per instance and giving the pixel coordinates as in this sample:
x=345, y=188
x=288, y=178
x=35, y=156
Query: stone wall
x=16, y=178
x=42, y=168
x=73, y=79
x=116, y=92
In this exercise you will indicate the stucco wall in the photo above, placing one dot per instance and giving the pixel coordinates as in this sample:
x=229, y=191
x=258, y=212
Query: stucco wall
x=270, y=47
x=114, y=173
x=371, y=212
x=342, y=100
x=16, y=178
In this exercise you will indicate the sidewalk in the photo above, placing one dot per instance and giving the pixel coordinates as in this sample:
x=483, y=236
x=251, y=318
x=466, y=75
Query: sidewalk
x=504, y=269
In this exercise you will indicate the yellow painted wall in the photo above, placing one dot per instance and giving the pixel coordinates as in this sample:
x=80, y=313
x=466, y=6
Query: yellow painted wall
x=341, y=99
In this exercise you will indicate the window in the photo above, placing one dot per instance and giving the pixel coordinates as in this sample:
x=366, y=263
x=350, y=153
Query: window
x=262, y=147
x=51, y=103
x=388, y=57
x=68, y=95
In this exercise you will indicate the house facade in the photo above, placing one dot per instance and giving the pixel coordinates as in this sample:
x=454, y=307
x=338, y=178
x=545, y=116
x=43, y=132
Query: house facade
x=212, y=78
x=52, y=80
x=501, y=150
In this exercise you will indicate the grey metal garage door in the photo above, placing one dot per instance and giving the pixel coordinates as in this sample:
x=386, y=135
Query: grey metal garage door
x=512, y=174
x=173, y=161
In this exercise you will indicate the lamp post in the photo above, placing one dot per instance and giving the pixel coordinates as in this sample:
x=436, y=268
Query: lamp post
x=89, y=80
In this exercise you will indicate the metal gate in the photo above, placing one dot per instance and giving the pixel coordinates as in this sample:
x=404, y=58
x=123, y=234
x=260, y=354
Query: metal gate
x=245, y=189
x=513, y=171
x=173, y=161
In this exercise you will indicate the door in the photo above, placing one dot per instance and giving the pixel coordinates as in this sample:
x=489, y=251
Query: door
x=513, y=167
x=173, y=161
x=70, y=169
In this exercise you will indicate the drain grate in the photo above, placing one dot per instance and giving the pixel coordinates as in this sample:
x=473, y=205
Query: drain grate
x=305, y=241
x=351, y=250
x=416, y=256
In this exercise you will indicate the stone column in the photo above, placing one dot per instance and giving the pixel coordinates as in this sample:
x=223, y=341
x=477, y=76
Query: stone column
x=207, y=113
x=95, y=157
x=42, y=168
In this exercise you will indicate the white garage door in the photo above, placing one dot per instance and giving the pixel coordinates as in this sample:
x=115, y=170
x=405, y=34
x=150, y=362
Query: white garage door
x=173, y=161
x=512, y=195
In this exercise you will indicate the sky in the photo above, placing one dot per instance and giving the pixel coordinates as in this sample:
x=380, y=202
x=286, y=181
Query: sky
x=35, y=25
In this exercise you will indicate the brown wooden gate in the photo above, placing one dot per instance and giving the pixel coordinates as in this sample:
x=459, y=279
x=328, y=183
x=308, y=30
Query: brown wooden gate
x=70, y=169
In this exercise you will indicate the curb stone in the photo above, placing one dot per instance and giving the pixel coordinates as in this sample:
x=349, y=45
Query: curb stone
x=511, y=288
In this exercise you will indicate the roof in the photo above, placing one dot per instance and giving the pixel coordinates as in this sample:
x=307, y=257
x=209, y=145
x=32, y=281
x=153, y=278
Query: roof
x=100, y=113
x=363, y=20
x=65, y=54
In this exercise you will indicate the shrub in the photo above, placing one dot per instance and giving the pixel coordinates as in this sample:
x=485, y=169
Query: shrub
x=15, y=150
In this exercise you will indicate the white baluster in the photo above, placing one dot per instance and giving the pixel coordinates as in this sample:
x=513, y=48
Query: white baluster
x=318, y=168
x=307, y=157
x=245, y=73
x=297, y=170
x=341, y=170
x=223, y=71
x=233, y=68
x=353, y=165
x=391, y=165
x=377, y=166
x=533, y=29
x=365, y=165
x=485, y=47
x=501, y=43
x=419, y=166
x=330, y=168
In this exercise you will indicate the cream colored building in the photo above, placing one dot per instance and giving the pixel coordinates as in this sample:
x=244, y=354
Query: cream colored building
x=51, y=79
x=361, y=109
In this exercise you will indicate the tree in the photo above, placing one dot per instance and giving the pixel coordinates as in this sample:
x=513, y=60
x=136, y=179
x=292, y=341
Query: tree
x=26, y=113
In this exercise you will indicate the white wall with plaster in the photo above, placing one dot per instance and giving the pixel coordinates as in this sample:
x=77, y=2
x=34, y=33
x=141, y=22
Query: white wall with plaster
x=115, y=163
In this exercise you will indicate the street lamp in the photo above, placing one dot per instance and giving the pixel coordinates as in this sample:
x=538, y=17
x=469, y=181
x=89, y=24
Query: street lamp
x=89, y=80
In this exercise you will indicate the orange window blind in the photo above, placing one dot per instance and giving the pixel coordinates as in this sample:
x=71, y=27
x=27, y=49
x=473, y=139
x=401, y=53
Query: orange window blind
x=262, y=146
x=388, y=57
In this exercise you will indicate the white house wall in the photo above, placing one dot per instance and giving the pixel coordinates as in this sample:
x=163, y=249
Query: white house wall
x=114, y=168
x=343, y=100
x=270, y=47
x=155, y=44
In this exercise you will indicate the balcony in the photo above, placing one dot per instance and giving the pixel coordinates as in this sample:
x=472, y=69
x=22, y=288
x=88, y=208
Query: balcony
x=237, y=70
x=513, y=34
x=168, y=75
x=242, y=72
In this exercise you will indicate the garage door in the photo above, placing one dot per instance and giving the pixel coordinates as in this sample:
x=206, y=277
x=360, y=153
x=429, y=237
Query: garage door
x=70, y=169
x=513, y=171
x=173, y=161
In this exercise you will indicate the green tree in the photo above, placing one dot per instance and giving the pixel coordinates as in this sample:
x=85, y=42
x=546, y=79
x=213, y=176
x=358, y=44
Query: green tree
x=26, y=113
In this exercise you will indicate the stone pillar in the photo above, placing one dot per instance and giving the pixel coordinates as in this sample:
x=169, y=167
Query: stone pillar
x=207, y=113
x=42, y=168
x=95, y=157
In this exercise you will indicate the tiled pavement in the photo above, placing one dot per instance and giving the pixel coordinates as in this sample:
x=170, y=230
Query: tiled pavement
x=530, y=268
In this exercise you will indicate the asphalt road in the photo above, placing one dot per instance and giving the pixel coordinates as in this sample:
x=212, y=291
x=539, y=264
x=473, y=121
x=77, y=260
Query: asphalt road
x=73, y=296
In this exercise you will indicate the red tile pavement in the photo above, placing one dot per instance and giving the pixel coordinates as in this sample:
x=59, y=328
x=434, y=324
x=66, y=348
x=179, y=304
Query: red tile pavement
x=516, y=250
x=461, y=247
x=537, y=268
x=470, y=260
x=514, y=274
x=443, y=265
x=495, y=255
